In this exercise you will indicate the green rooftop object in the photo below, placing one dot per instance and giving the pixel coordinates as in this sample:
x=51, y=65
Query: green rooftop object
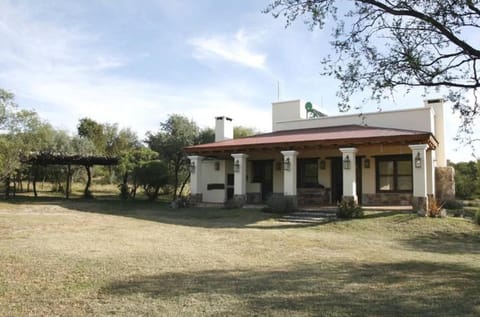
x=311, y=112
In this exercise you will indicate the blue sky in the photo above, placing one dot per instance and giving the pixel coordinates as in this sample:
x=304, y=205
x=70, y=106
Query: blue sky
x=135, y=62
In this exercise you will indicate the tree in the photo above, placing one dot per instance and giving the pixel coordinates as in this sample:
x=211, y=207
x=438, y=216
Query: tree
x=175, y=133
x=129, y=162
x=386, y=44
x=242, y=132
x=206, y=135
x=152, y=176
x=93, y=131
x=467, y=179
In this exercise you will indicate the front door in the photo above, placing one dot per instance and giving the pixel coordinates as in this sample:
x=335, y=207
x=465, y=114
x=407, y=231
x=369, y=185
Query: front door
x=337, y=180
x=263, y=174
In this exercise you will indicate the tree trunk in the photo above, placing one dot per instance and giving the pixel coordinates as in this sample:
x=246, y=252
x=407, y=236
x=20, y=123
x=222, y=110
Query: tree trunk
x=34, y=183
x=86, y=192
x=184, y=184
x=7, y=187
x=67, y=190
x=175, y=187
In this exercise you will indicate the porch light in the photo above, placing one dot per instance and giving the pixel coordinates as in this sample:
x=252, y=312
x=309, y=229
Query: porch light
x=366, y=163
x=322, y=164
x=236, y=166
x=346, y=163
x=217, y=166
x=192, y=167
x=418, y=161
x=286, y=164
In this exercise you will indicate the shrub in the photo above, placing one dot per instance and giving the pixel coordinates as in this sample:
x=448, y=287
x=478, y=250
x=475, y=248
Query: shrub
x=434, y=208
x=476, y=217
x=280, y=204
x=152, y=175
x=348, y=209
x=124, y=191
x=180, y=202
x=453, y=205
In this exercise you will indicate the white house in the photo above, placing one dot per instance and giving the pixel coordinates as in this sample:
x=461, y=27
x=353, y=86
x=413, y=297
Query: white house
x=381, y=158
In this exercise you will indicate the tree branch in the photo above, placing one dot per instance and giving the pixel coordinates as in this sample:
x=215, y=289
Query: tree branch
x=423, y=17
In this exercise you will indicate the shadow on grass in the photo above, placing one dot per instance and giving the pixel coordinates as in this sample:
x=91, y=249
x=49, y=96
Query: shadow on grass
x=161, y=212
x=445, y=242
x=347, y=289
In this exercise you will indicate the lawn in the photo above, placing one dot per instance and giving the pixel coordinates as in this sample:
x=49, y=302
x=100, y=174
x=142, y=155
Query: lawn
x=73, y=258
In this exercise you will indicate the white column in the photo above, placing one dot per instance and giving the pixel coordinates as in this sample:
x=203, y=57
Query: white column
x=349, y=175
x=419, y=169
x=240, y=174
x=429, y=163
x=419, y=165
x=196, y=177
x=289, y=174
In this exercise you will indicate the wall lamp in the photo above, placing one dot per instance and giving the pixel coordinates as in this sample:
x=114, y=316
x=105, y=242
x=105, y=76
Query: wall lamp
x=418, y=161
x=217, y=165
x=346, y=163
x=192, y=167
x=322, y=164
x=236, y=166
x=286, y=164
x=366, y=163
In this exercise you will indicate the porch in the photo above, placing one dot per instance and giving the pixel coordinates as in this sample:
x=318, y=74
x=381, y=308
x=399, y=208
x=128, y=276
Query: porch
x=318, y=167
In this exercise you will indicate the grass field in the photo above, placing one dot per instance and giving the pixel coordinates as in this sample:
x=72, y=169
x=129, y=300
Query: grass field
x=74, y=258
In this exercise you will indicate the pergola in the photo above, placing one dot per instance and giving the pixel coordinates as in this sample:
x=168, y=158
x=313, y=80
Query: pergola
x=44, y=159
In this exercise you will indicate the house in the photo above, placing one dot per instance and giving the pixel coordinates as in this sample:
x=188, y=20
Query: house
x=381, y=158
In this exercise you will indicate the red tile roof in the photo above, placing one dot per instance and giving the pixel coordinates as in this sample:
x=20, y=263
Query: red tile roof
x=328, y=136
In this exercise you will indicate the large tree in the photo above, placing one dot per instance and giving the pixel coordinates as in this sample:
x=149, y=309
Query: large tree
x=175, y=133
x=386, y=44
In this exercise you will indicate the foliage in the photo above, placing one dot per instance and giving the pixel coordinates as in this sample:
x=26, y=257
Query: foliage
x=384, y=45
x=434, y=208
x=348, y=209
x=280, y=204
x=129, y=162
x=205, y=136
x=242, y=132
x=467, y=179
x=93, y=131
x=169, y=142
x=152, y=176
x=453, y=204
x=476, y=218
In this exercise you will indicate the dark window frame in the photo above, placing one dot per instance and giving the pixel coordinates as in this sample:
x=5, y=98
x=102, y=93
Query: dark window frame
x=395, y=159
x=303, y=180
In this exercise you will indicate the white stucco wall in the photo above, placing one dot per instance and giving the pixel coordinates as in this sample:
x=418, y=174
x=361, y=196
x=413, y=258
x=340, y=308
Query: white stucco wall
x=211, y=176
x=419, y=119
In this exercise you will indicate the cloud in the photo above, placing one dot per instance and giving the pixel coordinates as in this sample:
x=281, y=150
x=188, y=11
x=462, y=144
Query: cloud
x=236, y=49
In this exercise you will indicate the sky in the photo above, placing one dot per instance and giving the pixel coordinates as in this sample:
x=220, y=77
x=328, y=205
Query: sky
x=136, y=62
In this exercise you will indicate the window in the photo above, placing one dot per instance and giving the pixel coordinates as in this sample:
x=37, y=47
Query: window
x=307, y=173
x=394, y=173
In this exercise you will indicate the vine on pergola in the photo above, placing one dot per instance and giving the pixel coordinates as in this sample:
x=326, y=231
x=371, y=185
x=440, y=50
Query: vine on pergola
x=44, y=159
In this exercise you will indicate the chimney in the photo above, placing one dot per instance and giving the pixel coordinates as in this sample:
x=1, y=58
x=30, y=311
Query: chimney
x=223, y=129
x=437, y=106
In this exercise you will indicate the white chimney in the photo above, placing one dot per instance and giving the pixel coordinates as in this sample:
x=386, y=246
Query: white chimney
x=437, y=106
x=223, y=129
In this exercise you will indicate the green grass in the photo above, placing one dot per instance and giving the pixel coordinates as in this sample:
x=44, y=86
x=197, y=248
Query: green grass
x=79, y=257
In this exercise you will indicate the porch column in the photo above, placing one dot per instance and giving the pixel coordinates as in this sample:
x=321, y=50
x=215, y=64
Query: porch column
x=290, y=175
x=240, y=177
x=349, y=174
x=195, y=178
x=420, y=198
